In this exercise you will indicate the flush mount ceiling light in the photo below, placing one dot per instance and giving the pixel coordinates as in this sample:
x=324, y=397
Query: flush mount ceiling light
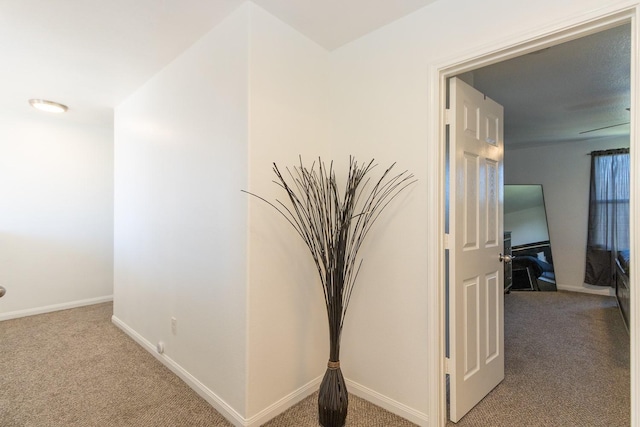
x=48, y=106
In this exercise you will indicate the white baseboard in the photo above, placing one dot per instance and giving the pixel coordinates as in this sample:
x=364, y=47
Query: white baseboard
x=588, y=289
x=212, y=398
x=285, y=403
x=55, y=307
x=206, y=393
x=387, y=403
x=278, y=407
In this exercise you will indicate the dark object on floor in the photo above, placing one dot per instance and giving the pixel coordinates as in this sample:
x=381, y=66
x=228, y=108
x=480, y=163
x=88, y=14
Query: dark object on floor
x=333, y=225
x=532, y=274
x=332, y=398
x=623, y=294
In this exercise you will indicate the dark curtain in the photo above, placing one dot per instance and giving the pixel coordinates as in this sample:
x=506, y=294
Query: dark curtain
x=608, y=214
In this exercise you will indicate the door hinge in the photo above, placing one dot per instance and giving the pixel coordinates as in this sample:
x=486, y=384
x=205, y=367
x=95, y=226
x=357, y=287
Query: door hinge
x=446, y=241
x=447, y=116
x=446, y=366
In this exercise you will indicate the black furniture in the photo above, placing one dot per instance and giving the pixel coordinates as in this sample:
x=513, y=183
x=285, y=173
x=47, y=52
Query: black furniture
x=622, y=284
x=507, y=265
x=533, y=267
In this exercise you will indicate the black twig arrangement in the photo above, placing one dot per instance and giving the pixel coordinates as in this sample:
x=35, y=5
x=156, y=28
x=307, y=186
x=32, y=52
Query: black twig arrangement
x=334, y=225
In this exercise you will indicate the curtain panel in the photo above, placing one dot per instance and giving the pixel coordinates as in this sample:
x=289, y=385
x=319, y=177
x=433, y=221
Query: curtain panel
x=608, y=230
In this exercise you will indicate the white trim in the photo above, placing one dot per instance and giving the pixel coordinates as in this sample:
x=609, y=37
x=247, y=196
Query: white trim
x=278, y=407
x=226, y=410
x=285, y=403
x=634, y=211
x=588, y=289
x=387, y=403
x=517, y=45
x=207, y=394
x=435, y=262
x=55, y=307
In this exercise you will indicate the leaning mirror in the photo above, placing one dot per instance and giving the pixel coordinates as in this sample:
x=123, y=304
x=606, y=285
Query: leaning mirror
x=526, y=218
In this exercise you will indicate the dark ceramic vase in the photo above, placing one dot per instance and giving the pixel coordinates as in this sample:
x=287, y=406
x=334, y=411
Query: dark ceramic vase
x=332, y=398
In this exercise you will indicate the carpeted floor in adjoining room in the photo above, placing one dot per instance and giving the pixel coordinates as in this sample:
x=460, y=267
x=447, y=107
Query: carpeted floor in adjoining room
x=566, y=364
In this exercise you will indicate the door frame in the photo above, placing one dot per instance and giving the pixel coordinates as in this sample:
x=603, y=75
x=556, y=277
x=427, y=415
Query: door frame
x=502, y=50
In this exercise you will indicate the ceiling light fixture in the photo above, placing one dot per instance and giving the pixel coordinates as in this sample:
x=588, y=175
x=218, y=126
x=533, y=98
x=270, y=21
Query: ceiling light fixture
x=48, y=106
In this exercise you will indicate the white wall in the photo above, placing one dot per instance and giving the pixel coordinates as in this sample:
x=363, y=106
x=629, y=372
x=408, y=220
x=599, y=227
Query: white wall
x=527, y=225
x=563, y=170
x=56, y=212
x=269, y=336
x=381, y=108
x=251, y=322
x=251, y=327
x=288, y=338
x=251, y=319
x=180, y=218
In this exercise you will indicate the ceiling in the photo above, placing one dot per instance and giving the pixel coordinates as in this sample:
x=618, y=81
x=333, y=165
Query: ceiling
x=565, y=92
x=91, y=54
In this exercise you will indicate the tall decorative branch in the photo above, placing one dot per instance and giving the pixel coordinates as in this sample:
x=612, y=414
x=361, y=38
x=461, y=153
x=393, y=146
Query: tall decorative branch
x=334, y=226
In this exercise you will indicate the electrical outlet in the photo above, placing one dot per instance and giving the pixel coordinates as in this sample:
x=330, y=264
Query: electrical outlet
x=174, y=326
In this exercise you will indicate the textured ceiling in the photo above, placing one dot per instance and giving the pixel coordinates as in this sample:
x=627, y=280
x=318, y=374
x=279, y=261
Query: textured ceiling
x=557, y=93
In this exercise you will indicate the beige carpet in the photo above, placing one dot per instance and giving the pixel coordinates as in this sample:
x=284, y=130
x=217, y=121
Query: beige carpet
x=360, y=414
x=567, y=364
x=75, y=368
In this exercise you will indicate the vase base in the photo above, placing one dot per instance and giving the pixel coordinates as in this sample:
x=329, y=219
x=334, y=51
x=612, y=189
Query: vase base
x=333, y=399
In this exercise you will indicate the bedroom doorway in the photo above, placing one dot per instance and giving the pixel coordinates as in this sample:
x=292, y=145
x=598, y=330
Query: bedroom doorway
x=561, y=103
x=562, y=35
x=553, y=153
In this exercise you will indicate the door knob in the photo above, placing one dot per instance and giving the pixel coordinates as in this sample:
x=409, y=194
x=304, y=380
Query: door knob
x=506, y=258
x=2, y=291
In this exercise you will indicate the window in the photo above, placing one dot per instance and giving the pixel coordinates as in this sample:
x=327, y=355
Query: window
x=608, y=213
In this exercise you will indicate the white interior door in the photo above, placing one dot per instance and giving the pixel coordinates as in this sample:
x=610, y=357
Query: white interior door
x=476, y=289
